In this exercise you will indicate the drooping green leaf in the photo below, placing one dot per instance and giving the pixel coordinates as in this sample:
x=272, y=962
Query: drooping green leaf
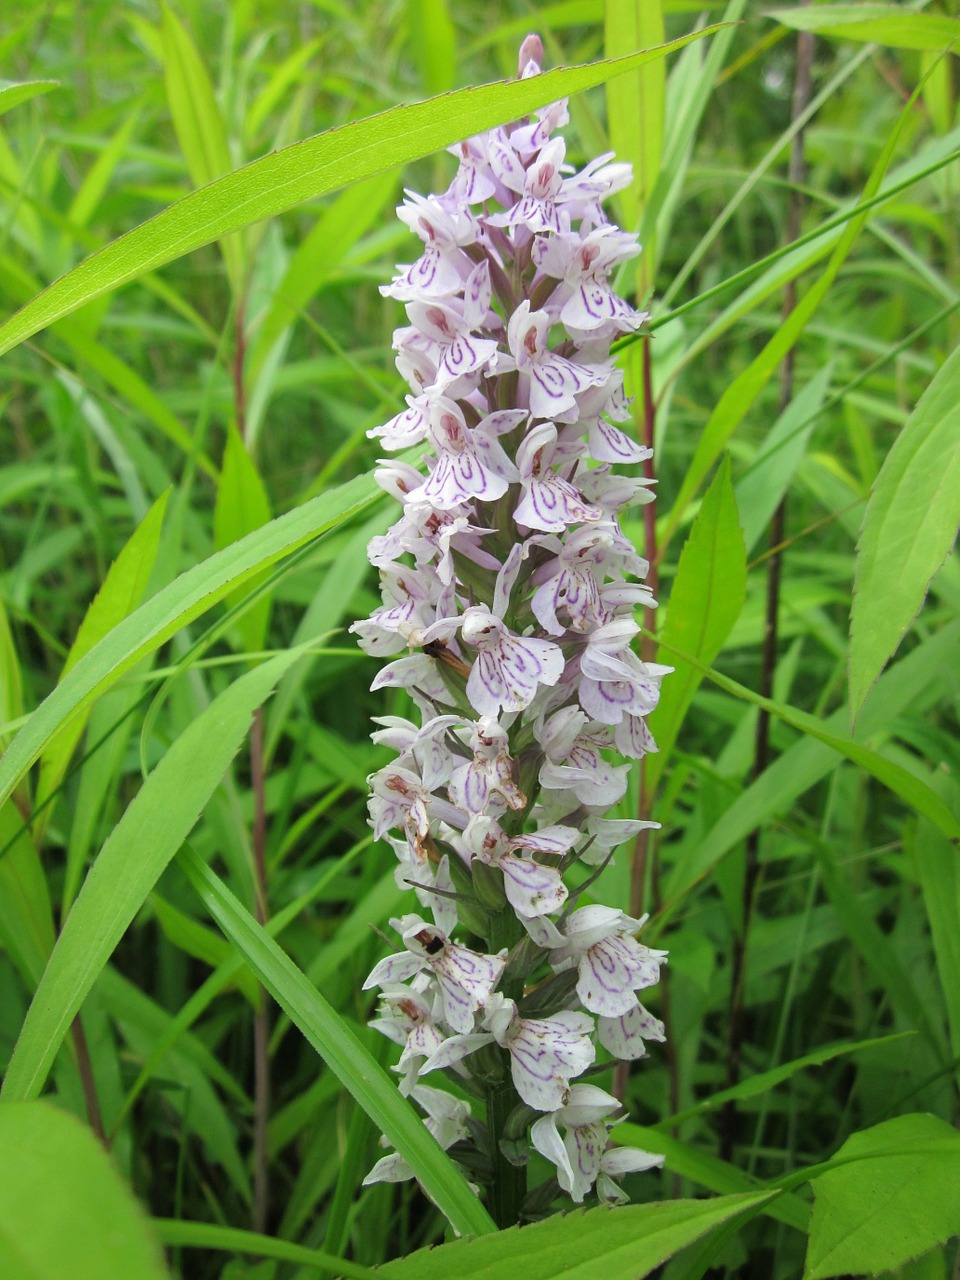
x=190, y=595
x=12, y=92
x=64, y=1209
x=138, y=849
x=705, y=602
x=305, y=170
x=908, y=529
x=892, y=1196
x=618, y=1244
x=889, y=24
x=208, y=1235
x=341, y=1049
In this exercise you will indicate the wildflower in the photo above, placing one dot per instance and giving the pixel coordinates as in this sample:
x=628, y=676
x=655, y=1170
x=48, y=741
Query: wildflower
x=509, y=592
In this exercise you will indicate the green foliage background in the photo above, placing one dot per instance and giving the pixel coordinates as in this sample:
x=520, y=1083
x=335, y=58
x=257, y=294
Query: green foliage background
x=186, y=494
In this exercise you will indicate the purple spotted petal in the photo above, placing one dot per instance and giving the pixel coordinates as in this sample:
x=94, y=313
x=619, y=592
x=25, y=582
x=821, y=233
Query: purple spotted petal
x=531, y=889
x=624, y=1036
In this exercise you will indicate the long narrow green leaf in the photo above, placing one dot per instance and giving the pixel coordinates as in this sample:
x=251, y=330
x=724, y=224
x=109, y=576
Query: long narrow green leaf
x=764, y=1081
x=190, y=595
x=209, y=1235
x=705, y=602
x=889, y=24
x=305, y=170
x=908, y=529
x=340, y=1048
x=911, y=789
x=741, y=394
x=12, y=93
x=138, y=849
x=708, y=1171
x=122, y=591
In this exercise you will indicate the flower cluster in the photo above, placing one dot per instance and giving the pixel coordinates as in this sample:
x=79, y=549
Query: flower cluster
x=509, y=589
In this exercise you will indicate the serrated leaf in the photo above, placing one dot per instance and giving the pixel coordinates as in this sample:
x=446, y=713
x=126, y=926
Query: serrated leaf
x=305, y=170
x=908, y=529
x=705, y=602
x=887, y=24
x=64, y=1209
x=618, y=1244
x=892, y=1196
x=138, y=849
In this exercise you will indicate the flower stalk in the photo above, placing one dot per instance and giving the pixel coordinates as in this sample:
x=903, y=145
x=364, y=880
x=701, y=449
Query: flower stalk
x=509, y=600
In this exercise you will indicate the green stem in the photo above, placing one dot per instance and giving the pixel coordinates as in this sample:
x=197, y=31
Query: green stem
x=509, y=1180
x=509, y=1184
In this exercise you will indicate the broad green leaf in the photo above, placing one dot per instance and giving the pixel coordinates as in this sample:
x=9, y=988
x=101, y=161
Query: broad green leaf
x=64, y=1209
x=197, y=120
x=207, y=1235
x=619, y=1244
x=888, y=24
x=341, y=1049
x=12, y=92
x=308, y=169
x=911, y=789
x=122, y=591
x=152, y=829
x=160, y=617
x=908, y=529
x=892, y=1196
x=242, y=506
x=705, y=602
x=743, y=391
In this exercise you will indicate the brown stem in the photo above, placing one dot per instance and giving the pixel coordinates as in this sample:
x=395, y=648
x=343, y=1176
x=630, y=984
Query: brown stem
x=752, y=875
x=87, y=1082
x=642, y=859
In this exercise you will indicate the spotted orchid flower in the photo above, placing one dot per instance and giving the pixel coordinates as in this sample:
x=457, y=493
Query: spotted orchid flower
x=509, y=590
